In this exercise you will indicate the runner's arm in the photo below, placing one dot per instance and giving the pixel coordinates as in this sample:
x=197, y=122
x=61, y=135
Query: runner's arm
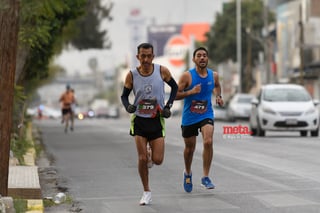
x=127, y=88
x=184, y=83
x=167, y=77
x=217, y=89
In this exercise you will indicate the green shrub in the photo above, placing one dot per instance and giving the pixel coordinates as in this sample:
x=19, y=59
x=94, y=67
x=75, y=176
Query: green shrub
x=19, y=147
x=20, y=205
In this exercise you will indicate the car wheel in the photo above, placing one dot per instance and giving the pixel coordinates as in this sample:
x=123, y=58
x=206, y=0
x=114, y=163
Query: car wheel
x=260, y=131
x=303, y=133
x=253, y=131
x=315, y=133
x=230, y=117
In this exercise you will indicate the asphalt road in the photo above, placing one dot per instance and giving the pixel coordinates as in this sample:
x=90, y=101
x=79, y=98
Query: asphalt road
x=276, y=173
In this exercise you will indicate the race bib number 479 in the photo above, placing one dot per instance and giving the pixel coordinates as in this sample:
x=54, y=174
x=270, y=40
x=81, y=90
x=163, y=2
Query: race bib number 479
x=199, y=106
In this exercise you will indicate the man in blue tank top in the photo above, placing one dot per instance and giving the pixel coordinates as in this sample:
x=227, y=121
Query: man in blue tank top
x=149, y=108
x=196, y=87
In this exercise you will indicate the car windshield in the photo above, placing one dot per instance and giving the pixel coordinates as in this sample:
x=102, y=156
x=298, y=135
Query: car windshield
x=245, y=100
x=286, y=94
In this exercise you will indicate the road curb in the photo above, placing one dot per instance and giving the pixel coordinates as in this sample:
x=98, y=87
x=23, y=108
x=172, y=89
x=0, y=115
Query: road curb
x=33, y=205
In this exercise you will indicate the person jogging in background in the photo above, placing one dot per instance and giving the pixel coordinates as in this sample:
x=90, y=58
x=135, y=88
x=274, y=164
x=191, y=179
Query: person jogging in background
x=196, y=87
x=149, y=110
x=66, y=100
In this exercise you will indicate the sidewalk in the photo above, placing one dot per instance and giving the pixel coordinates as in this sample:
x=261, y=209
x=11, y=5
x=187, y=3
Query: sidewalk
x=24, y=181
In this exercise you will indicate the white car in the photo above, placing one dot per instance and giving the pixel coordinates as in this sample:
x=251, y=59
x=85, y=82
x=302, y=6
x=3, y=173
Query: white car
x=284, y=107
x=220, y=112
x=240, y=106
x=47, y=112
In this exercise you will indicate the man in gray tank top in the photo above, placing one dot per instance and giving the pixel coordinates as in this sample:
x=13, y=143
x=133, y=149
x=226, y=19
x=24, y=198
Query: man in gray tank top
x=149, y=110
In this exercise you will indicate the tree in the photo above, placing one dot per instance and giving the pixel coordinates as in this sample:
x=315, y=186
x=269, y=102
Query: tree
x=9, y=25
x=221, y=40
x=40, y=36
x=87, y=27
x=31, y=33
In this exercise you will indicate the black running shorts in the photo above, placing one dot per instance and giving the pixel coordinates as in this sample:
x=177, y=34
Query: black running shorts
x=193, y=129
x=66, y=111
x=150, y=128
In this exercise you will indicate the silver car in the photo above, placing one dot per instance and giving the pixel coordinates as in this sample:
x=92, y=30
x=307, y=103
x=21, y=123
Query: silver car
x=284, y=107
x=239, y=106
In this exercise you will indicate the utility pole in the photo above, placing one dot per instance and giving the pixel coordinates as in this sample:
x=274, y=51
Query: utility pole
x=266, y=41
x=248, y=73
x=9, y=25
x=239, y=47
x=301, y=46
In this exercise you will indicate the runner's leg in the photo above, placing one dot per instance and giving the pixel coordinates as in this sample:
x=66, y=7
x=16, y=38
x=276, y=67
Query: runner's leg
x=66, y=119
x=207, y=155
x=141, y=144
x=157, y=148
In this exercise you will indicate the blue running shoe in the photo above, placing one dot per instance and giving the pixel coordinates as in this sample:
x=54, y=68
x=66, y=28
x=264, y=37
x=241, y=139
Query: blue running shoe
x=206, y=182
x=187, y=182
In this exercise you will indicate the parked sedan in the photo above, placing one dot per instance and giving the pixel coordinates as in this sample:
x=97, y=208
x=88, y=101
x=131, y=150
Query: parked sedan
x=220, y=113
x=284, y=107
x=239, y=106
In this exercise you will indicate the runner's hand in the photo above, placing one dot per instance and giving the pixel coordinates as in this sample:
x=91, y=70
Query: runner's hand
x=131, y=108
x=219, y=100
x=166, y=113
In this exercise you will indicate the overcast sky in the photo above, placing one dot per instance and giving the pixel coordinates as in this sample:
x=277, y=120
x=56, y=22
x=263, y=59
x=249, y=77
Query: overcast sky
x=161, y=12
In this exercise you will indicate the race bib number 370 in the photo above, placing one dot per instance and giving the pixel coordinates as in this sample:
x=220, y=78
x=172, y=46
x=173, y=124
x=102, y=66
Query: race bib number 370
x=147, y=106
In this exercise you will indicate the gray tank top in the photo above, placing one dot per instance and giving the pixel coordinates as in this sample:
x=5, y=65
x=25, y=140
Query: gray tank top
x=148, y=92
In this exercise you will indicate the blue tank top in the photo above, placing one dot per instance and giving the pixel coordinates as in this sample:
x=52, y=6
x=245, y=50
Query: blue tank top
x=149, y=92
x=198, y=107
